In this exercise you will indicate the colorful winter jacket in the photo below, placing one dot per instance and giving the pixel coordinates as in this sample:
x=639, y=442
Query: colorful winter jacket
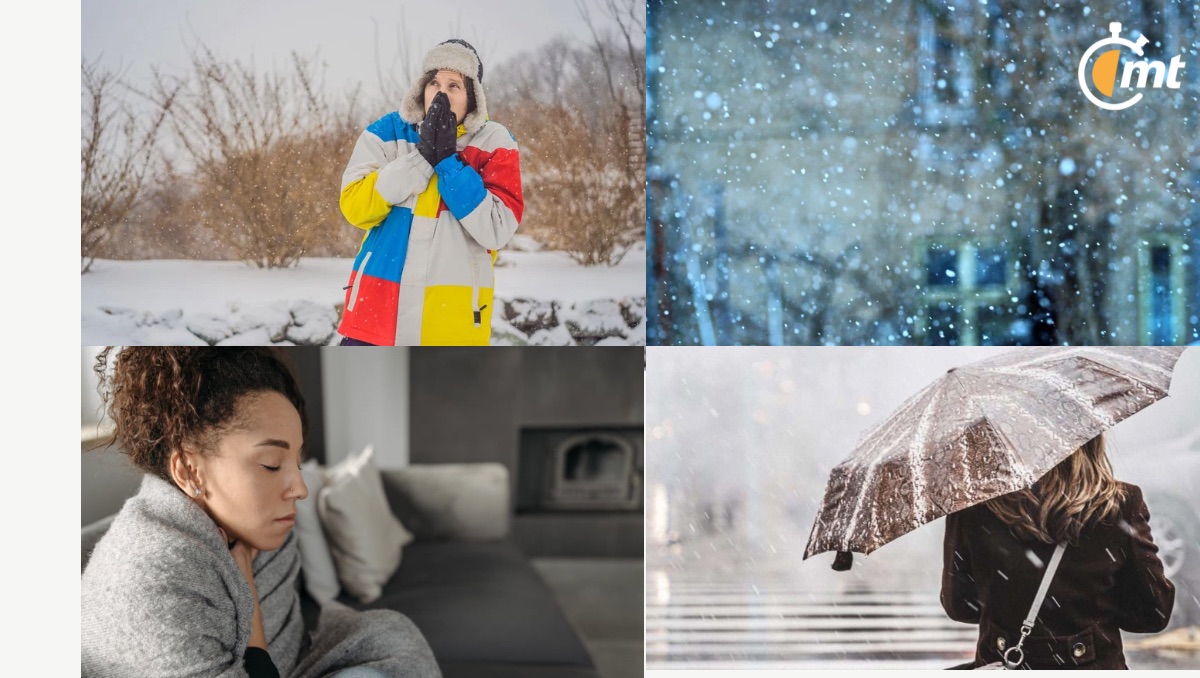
x=424, y=271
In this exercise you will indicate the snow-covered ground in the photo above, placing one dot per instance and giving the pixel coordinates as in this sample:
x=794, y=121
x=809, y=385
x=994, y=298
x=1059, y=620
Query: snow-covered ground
x=543, y=298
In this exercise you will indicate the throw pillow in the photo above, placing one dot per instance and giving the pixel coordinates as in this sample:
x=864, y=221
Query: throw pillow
x=320, y=574
x=365, y=539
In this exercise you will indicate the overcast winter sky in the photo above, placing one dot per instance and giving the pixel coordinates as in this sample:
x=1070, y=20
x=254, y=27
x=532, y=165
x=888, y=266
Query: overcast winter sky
x=134, y=34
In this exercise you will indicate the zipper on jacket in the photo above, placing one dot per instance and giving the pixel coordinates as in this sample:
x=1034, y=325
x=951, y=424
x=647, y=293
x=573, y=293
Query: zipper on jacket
x=475, y=310
x=357, y=282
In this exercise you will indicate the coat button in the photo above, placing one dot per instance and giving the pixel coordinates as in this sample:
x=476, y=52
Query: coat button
x=1000, y=644
x=1078, y=649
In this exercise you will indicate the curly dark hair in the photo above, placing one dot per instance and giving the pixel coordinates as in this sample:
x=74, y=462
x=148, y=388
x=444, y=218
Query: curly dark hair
x=164, y=398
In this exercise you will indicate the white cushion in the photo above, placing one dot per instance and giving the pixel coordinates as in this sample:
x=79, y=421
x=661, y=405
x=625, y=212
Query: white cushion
x=320, y=575
x=365, y=539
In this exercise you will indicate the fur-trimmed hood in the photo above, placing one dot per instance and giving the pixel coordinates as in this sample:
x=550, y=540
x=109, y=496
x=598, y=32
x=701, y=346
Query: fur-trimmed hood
x=455, y=55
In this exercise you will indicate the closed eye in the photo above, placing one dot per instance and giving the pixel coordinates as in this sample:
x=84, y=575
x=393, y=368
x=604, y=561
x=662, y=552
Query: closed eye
x=270, y=468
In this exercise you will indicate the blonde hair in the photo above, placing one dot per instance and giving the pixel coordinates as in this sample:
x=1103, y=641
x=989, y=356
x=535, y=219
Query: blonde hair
x=1078, y=493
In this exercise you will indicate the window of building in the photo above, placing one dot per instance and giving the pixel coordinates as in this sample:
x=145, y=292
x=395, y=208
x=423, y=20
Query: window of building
x=1169, y=25
x=1153, y=20
x=1160, y=292
x=944, y=70
x=967, y=294
x=944, y=73
x=998, y=83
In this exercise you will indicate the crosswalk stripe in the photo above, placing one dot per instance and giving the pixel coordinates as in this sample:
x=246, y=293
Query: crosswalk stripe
x=676, y=599
x=778, y=651
x=726, y=611
x=865, y=636
x=803, y=663
x=802, y=623
x=777, y=624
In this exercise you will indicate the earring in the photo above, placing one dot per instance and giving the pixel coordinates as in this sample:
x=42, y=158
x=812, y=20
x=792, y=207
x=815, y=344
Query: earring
x=199, y=492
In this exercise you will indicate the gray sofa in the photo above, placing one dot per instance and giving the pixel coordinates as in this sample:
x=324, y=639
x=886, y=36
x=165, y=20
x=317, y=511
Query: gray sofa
x=480, y=603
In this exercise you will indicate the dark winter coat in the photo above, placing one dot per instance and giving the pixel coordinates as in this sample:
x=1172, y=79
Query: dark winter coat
x=1112, y=580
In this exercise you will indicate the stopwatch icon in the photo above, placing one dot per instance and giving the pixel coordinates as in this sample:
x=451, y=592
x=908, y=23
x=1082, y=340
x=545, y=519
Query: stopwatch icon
x=1108, y=62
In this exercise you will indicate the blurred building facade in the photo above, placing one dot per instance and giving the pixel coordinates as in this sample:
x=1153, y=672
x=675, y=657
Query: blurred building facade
x=917, y=172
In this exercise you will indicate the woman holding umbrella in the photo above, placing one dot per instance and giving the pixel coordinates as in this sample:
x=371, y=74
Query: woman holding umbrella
x=1010, y=450
x=1109, y=578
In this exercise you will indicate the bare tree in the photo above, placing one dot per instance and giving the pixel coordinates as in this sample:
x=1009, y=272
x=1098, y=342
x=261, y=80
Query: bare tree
x=582, y=195
x=622, y=57
x=267, y=153
x=394, y=80
x=626, y=81
x=578, y=112
x=116, y=158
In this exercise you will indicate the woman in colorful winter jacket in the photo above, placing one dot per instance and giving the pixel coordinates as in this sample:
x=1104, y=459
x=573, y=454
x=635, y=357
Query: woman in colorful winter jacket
x=437, y=187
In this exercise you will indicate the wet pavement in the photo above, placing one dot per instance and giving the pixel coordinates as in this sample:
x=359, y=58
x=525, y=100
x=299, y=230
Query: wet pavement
x=772, y=618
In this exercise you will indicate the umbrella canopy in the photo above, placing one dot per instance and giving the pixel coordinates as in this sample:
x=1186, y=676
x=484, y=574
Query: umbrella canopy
x=981, y=431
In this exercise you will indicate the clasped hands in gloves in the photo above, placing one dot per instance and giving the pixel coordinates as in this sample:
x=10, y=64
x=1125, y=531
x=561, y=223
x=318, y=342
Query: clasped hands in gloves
x=439, y=131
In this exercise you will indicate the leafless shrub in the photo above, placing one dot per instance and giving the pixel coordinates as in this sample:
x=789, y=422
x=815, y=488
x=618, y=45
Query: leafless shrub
x=579, y=114
x=267, y=153
x=576, y=194
x=116, y=158
x=163, y=224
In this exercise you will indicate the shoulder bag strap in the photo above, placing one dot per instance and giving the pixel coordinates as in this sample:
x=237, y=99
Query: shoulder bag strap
x=1031, y=618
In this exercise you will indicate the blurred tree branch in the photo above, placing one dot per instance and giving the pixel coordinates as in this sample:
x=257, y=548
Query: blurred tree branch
x=267, y=153
x=116, y=158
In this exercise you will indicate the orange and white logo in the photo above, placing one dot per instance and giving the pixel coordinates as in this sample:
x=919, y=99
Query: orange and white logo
x=1101, y=77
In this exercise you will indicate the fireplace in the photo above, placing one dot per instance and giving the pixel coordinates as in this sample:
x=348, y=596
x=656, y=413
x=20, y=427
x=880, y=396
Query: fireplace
x=588, y=468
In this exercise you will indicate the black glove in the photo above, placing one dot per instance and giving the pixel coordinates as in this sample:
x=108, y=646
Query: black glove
x=439, y=131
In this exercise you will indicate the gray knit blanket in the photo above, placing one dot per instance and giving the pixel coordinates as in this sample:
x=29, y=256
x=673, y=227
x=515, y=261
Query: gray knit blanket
x=162, y=596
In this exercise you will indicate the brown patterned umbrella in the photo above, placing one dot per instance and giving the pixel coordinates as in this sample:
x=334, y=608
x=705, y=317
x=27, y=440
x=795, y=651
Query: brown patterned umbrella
x=978, y=432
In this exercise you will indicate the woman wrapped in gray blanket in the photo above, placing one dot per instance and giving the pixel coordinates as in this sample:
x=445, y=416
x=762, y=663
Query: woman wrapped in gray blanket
x=197, y=574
